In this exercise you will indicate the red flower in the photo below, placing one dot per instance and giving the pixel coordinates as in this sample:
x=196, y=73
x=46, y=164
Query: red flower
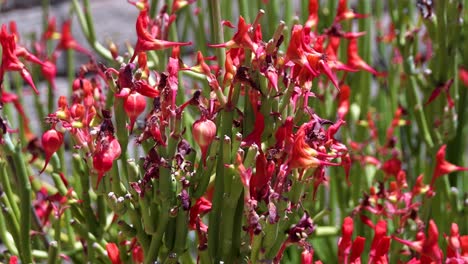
x=10, y=61
x=146, y=41
x=443, y=166
x=442, y=88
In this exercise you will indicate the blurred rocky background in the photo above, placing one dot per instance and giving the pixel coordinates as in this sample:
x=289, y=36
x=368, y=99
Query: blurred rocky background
x=114, y=20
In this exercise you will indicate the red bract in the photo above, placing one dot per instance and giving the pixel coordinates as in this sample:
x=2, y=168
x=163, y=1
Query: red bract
x=343, y=101
x=107, y=150
x=349, y=251
x=204, y=132
x=313, y=18
x=155, y=130
x=179, y=4
x=284, y=135
x=67, y=41
x=256, y=135
x=6, y=97
x=263, y=173
x=13, y=260
x=356, y=250
x=240, y=39
x=113, y=253
x=137, y=254
x=426, y=246
x=145, y=41
x=379, y=242
x=49, y=71
x=392, y=166
x=443, y=166
x=51, y=142
x=10, y=61
x=332, y=50
x=307, y=256
x=50, y=32
x=343, y=13
x=345, y=242
x=381, y=253
x=134, y=106
x=303, y=155
x=455, y=251
x=396, y=122
x=311, y=62
x=355, y=61
x=463, y=75
x=201, y=207
x=442, y=88
x=143, y=88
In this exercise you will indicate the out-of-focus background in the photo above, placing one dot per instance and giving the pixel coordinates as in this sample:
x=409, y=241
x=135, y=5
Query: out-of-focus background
x=114, y=20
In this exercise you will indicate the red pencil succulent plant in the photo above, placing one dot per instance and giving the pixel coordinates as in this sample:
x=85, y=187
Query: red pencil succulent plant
x=267, y=190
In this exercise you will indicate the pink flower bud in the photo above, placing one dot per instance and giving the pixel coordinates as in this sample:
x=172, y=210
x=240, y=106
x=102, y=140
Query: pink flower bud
x=51, y=142
x=134, y=105
x=204, y=132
